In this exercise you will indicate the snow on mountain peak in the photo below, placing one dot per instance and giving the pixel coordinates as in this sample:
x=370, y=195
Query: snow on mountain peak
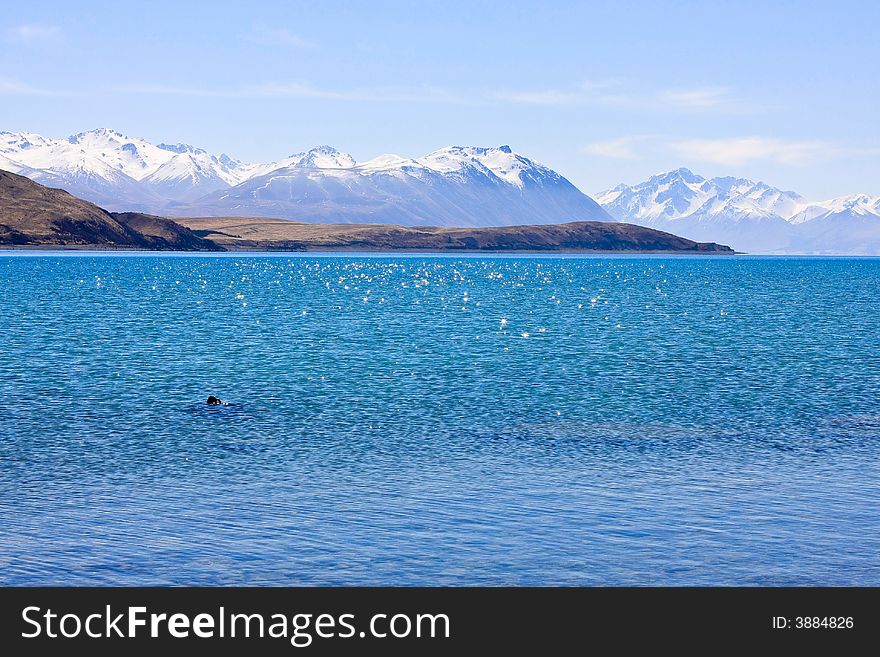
x=475, y=185
x=854, y=205
x=141, y=160
x=451, y=159
x=324, y=157
x=180, y=148
x=747, y=215
x=683, y=174
x=98, y=137
x=680, y=194
x=388, y=162
x=17, y=141
x=455, y=185
x=502, y=162
x=133, y=156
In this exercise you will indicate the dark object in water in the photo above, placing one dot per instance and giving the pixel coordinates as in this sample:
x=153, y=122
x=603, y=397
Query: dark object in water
x=214, y=401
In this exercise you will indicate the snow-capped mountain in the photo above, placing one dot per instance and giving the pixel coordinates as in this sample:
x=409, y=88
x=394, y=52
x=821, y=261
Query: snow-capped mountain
x=858, y=205
x=135, y=157
x=102, y=166
x=8, y=164
x=457, y=185
x=750, y=216
x=454, y=186
x=324, y=157
x=192, y=172
x=849, y=224
x=117, y=171
x=684, y=203
x=682, y=193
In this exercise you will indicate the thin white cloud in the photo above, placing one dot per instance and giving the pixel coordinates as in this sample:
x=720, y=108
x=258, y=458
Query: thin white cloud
x=544, y=97
x=13, y=87
x=696, y=98
x=623, y=148
x=302, y=90
x=557, y=98
x=587, y=93
x=299, y=89
x=167, y=90
x=729, y=151
x=743, y=150
x=606, y=93
x=277, y=36
x=422, y=94
x=616, y=93
x=33, y=33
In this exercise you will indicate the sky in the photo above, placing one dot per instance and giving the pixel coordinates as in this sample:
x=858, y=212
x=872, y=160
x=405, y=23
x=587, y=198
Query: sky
x=603, y=92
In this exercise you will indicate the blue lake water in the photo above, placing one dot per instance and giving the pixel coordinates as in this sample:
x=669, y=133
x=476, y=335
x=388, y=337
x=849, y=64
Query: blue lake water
x=439, y=420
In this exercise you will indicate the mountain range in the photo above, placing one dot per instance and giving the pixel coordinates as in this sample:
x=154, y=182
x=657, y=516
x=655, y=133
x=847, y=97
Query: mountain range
x=454, y=186
x=751, y=216
x=33, y=216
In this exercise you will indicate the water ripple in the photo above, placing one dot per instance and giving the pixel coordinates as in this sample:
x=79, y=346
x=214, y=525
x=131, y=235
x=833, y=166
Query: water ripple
x=439, y=420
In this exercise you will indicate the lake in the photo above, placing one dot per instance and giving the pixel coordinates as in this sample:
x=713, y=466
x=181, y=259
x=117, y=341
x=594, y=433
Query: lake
x=425, y=420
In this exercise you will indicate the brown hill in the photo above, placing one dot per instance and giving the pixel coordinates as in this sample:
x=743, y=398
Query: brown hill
x=34, y=215
x=243, y=233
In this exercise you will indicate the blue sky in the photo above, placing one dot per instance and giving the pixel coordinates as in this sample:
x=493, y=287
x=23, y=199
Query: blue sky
x=603, y=92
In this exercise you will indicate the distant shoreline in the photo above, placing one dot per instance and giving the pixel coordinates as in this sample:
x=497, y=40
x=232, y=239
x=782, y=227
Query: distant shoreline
x=35, y=217
x=265, y=234
x=86, y=248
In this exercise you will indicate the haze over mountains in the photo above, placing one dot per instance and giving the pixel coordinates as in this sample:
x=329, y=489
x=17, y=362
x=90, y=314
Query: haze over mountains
x=453, y=186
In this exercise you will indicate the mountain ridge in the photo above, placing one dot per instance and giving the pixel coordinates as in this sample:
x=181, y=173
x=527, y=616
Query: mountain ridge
x=453, y=185
x=36, y=216
x=751, y=216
